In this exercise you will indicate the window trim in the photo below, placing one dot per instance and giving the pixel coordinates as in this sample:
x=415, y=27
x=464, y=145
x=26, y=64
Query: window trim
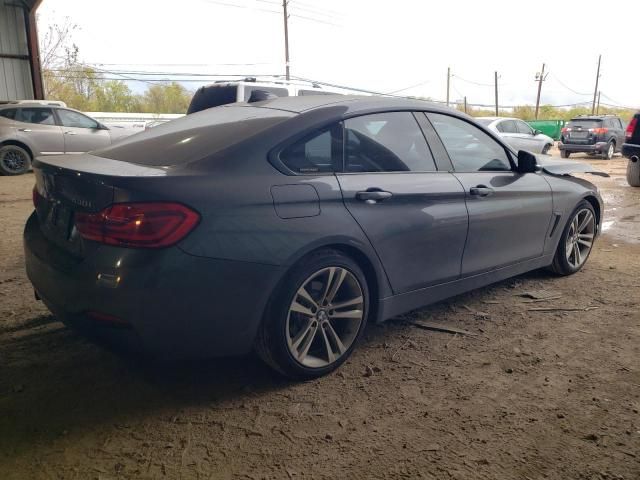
x=508, y=152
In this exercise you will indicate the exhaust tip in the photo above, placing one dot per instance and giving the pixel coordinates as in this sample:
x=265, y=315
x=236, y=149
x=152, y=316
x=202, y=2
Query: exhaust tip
x=634, y=159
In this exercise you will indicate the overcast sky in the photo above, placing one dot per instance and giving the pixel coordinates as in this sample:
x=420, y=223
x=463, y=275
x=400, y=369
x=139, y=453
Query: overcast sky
x=384, y=46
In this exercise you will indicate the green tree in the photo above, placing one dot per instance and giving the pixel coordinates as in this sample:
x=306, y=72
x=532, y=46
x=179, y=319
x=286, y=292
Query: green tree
x=171, y=98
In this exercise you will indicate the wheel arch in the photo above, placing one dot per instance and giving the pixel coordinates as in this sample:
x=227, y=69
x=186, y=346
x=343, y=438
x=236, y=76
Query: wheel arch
x=596, y=207
x=18, y=143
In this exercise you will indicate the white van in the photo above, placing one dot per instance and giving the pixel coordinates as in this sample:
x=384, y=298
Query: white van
x=250, y=90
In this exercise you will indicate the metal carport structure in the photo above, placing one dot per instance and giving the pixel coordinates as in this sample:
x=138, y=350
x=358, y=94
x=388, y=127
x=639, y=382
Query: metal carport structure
x=20, y=71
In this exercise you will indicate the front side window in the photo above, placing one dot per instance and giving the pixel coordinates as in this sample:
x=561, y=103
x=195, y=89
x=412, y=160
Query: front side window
x=42, y=116
x=469, y=148
x=524, y=128
x=320, y=152
x=507, y=126
x=70, y=118
x=386, y=142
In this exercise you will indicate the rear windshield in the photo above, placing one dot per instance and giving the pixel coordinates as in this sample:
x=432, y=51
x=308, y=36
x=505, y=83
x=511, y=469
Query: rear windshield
x=586, y=123
x=194, y=137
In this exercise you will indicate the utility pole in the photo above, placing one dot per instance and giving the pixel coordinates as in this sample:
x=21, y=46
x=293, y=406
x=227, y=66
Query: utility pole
x=286, y=37
x=448, y=83
x=595, y=92
x=465, y=104
x=539, y=78
x=598, y=105
x=496, y=83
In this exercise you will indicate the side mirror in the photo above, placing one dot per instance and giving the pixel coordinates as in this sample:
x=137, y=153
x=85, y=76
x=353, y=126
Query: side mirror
x=536, y=132
x=527, y=162
x=102, y=126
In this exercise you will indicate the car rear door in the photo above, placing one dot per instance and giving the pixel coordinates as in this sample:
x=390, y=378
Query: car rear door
x=81, y=133
x=509, y=212
x=413, y=214
x=509, y=132
x=36, y=127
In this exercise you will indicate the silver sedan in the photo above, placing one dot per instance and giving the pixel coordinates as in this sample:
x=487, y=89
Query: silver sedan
x=518, y=134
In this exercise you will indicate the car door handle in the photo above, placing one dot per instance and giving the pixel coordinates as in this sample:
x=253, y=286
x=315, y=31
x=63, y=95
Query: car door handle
x=24, y=129
x=70, y=133
x=373, y=195
x=481, y=191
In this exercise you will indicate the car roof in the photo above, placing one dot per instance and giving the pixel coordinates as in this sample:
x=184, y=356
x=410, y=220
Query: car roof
x=493, y=119
x=301, y=104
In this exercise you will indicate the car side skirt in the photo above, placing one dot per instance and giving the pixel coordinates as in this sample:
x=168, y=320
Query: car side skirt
x=391, y=306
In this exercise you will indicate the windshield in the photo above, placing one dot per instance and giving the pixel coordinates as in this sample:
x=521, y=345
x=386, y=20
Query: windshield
x=194, y=137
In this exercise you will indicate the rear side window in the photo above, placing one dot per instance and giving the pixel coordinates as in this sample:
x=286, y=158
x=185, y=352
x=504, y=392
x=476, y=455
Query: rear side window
x=320, y=152
x=42, y=116
x=9, y=113
x=257, y=94
x=195, y=136
x=469, y=148
x=386, y=142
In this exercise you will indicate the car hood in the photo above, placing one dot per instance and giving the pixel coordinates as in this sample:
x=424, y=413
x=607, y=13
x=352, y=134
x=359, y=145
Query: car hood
x=562, y=167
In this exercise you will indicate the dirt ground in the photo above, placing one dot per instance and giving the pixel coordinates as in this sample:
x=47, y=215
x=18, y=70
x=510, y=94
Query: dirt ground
x=533, y=395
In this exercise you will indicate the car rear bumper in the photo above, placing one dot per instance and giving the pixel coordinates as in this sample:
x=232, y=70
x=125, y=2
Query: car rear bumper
x=599, y=147
x=166, y=303
x=630, y=150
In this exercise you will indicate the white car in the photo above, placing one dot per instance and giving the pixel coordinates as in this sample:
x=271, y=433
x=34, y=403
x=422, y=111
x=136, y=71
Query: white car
x=518, y=134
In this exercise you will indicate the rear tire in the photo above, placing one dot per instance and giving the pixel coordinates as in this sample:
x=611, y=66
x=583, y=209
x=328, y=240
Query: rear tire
x=315, y=317
x=564, y=154
x=633, y=172
x=611, y=149
x=14, y=160
x=576, y=241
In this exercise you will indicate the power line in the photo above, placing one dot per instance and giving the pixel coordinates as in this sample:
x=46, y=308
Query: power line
x=568, y=87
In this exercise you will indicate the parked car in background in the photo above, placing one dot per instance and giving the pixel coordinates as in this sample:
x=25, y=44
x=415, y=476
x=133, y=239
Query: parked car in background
x=250, y=90
x=286, y=225
x=518, y=134
x=593, y=134
x=631, y=150
x=55, y=103
x=28, y=130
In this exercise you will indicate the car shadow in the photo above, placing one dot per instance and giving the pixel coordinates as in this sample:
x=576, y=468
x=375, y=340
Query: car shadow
x=53, y=380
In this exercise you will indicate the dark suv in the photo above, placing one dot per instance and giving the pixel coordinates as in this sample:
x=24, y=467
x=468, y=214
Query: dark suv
x=594, y=134
x=631, y=150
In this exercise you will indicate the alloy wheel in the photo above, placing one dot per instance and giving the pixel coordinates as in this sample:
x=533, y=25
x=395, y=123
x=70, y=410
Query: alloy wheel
x=580, y=238
x=610, y=151
x=324, y=317
x=13, y=160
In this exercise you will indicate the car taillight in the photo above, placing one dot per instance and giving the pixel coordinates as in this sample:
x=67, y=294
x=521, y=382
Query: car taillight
x=631, y=127
x=35, y=196
x=566, y=129
x=140, y=225
x=599, y=131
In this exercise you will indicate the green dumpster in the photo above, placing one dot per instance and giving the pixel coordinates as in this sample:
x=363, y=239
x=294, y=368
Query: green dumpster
x=552, y=128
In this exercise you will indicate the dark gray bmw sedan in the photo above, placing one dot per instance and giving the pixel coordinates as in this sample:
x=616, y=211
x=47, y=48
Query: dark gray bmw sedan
x=285, y=225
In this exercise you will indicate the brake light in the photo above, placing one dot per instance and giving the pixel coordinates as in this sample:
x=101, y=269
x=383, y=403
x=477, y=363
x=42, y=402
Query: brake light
x=599, y=131
x=140, y=225
x=631, y=127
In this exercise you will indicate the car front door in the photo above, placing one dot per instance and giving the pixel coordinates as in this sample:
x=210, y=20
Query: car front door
x=509, y=212
x=509, y=132
x=414, y=215
x=37, y=128
x=81, y=133
x=528, y=139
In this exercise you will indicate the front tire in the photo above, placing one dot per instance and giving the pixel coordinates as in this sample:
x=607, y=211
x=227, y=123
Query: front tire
x=633, y=172
x=315, y=317
x=576, y=240
x=14, y=160
x=545, y=149
x=564, y=154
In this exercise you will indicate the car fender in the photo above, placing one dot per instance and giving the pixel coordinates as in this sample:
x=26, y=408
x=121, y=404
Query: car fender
x=14, y=136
